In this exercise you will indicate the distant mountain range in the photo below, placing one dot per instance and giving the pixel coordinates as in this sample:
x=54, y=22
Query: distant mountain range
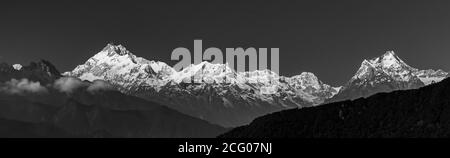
x=36, y=101
x=212, y=92
x=222, y=96
x=416, y=113
x=117, y=94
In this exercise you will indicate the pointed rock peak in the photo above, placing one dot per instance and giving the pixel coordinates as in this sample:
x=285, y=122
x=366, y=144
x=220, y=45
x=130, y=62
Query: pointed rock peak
x=389, y=59
x=113, y=54
x=17, y=67
x=116, y=49
x=390, y=56
x=390, y=53
x=365, y=69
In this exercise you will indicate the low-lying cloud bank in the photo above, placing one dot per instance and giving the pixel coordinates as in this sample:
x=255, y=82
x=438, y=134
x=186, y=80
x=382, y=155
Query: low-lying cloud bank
x=100, y=85
x=22, y=86
x=65, y=85
x=70, y=84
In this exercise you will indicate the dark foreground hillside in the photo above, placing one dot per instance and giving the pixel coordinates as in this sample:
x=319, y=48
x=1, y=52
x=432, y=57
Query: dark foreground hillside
x=36, y=101
x=423, y=112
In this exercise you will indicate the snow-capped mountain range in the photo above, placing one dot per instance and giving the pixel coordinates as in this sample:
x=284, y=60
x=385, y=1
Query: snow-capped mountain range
x=213, y=92
x=220, y=95
x=385, y=74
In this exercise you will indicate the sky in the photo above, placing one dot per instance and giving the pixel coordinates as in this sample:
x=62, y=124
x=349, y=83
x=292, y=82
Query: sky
x=328, y=38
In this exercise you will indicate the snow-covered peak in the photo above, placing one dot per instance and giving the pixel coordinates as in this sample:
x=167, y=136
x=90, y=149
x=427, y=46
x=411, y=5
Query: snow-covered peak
x=388, y=61
x=389, y=64
x=364, y=71
x=17, y=66
x=133, y=74
x=114, y=54
x=389, y=69
x=306, y=79
x=115, y=57
x=115, y=62
x=112, y=49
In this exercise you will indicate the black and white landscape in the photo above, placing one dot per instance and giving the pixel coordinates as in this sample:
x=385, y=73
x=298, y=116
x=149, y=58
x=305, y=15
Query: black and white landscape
x=117, y=94
x=222, y=96
x=347, y=69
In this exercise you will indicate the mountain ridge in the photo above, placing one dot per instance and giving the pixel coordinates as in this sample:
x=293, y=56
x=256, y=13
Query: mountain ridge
x=385, y=74
x=215, y=87
x=414, y=113
x=214, y=92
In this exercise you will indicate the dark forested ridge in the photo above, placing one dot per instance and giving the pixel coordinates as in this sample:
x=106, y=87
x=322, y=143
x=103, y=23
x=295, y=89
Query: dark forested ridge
x=423, y=112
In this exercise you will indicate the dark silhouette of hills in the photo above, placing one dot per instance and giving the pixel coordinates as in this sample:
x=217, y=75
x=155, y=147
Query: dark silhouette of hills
x=423, y=112
x=42, y=71
x=39, y=107
x=109, y=114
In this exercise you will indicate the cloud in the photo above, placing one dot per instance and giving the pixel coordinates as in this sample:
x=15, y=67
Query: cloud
x=99, y=85
x=68, y=84
x=63, y=84
x=22, y=86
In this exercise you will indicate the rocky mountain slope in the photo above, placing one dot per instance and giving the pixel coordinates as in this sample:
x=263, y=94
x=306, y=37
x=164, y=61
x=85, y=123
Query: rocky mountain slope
x=423, y=112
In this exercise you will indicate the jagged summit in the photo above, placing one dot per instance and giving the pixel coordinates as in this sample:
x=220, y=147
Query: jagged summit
x=385, y=74
x=116, y=63
x=214, y=92
x=389, y=64
x=112, y=49
x=307, y=79
x=390, y=60
x=17, y=67
x=392, y=65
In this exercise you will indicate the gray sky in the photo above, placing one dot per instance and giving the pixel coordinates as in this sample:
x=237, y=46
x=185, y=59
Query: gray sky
x=328, y=38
